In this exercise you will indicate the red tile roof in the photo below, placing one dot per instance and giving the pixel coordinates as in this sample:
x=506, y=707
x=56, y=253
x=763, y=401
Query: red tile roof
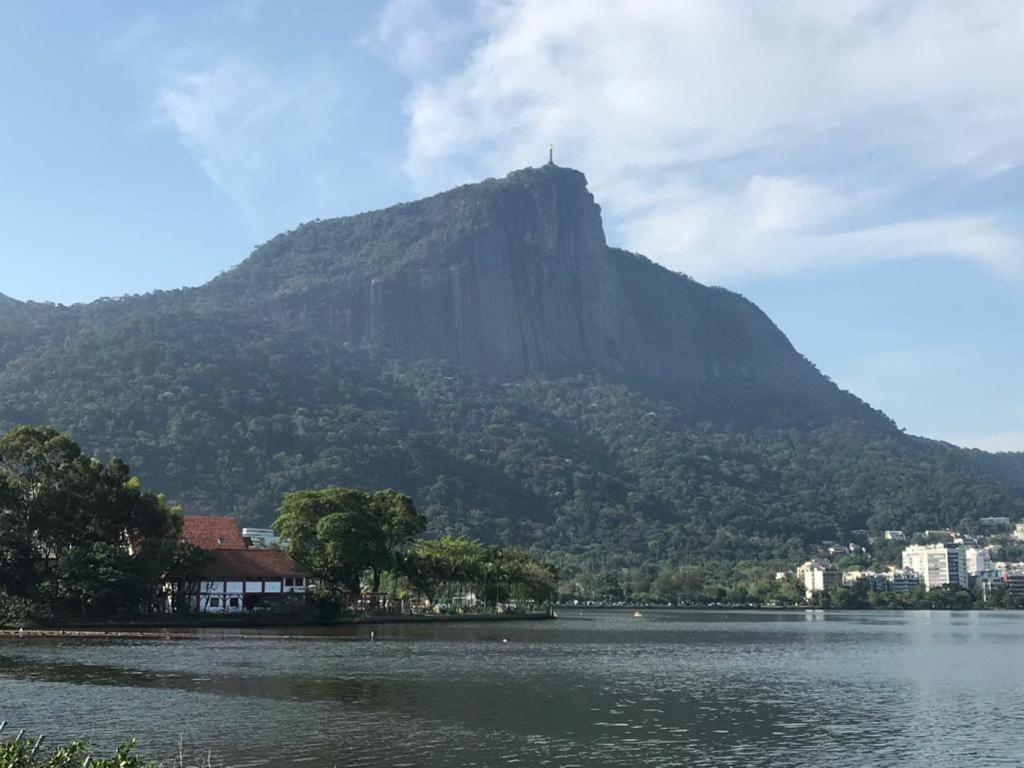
x=213, y=532
x=239, y=564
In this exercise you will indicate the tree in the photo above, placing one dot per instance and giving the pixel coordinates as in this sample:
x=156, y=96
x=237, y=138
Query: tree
x=187, y=565
x=331, y=534
x=399, y=523
x=42, y=474
x=100, y=578
x=446, y=565
x=851, y=597
x=339, y=534
x=72, y=529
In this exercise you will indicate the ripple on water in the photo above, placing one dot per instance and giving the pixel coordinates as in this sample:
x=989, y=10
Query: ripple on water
x=685, y=687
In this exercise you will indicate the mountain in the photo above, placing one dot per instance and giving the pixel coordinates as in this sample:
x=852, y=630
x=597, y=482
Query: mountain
x=514, y=277
x=487, y=352
x=1007, y=465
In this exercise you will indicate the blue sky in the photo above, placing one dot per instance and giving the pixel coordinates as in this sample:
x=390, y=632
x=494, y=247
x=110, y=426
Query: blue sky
x=855, y=168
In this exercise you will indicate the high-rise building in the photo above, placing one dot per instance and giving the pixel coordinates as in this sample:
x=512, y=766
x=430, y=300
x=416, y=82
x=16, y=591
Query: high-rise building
x=818, y=576
x=938, y=564
x=979, y=560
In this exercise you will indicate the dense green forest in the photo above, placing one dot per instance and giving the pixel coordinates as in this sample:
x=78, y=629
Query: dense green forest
x=642, y=417
x=228, y=420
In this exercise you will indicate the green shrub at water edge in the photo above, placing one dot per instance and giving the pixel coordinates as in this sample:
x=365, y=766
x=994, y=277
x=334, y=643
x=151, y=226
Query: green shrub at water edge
x=17, y=611
x=17, y=753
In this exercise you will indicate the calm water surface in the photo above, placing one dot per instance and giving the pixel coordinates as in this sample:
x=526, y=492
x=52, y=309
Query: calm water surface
x=598, y=688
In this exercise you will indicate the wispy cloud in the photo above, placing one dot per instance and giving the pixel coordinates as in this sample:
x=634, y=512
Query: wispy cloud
x=261, y=124
x=421, y=39
x=242, y=120
x=731, y=137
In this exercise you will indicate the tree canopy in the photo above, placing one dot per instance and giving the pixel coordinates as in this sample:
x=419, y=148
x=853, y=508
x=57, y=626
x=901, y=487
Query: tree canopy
x=338, y=534
x=76, y=532
x=341, y=534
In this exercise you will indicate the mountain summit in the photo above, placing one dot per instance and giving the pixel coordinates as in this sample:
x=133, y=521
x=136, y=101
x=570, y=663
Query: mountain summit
x=514, y=276
x=487, y=352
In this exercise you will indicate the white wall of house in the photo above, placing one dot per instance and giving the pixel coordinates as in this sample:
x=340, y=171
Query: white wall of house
x=219, y=596
x=229, y=596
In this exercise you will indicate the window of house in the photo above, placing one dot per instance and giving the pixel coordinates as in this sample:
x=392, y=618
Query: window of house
x=298, y=581
x=233, y=602
x=221, y=540
x=215, y=602
x=289, y=581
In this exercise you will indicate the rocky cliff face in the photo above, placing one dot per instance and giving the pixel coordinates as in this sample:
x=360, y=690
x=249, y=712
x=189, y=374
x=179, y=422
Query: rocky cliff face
x=514, y=276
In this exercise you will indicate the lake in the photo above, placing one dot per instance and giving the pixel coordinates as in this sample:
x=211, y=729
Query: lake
x=594, y=688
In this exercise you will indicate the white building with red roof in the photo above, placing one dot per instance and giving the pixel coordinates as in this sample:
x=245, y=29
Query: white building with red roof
x=235, y=577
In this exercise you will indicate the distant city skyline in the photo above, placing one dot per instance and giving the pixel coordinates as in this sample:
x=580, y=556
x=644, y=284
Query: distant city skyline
x=855, y=169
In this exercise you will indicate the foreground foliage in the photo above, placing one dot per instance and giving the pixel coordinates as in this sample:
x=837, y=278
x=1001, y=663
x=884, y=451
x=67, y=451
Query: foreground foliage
x=21, y=753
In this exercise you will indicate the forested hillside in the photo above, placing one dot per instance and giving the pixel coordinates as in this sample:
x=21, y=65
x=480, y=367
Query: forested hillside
x=486, y=353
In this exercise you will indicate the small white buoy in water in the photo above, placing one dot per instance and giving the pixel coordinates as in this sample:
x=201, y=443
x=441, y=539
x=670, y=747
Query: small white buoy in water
x=504, y=639
x=637, y=615
x=371, y=635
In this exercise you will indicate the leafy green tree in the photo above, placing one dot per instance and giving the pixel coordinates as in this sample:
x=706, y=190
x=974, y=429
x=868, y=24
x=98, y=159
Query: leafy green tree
x=851, y=597
x=445, y=566
x=70, y=524
x=188, y=562
x=448, y=567
x=399, y=524
x=339, y=534
x=42, y=474
x=100, y=578
x=333, y=534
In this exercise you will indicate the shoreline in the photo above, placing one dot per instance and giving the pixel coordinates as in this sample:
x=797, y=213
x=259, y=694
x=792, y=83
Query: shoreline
x=773, y=608
x=237, y=629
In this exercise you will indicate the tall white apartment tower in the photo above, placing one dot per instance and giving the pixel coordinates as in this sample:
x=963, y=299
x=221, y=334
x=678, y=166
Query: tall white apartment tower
x=938, y=564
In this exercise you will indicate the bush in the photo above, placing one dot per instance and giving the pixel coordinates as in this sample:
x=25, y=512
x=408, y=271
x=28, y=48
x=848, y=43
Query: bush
x=17, y=753
x=329, y=604
x=17, y=612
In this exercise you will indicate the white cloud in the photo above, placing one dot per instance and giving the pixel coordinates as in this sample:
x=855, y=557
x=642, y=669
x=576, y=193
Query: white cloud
x=731, y=137
x=242, y=121
x=420, y=38
x=260, y=122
